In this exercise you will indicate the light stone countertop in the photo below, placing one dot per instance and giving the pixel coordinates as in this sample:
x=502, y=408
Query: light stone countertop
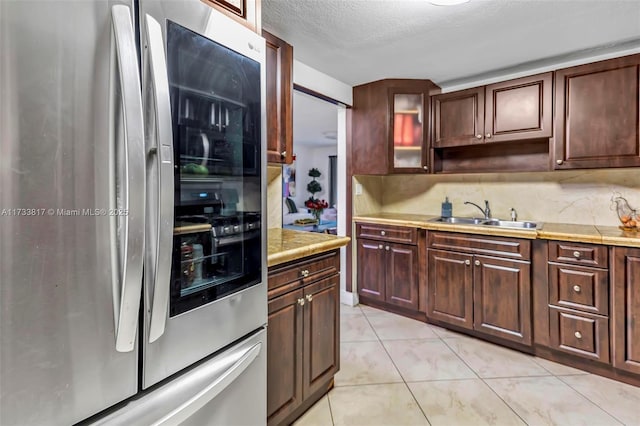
x=609, y=235
x=285, y=245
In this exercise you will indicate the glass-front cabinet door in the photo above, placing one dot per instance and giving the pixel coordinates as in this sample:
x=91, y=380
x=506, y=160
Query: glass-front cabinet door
x=215, y=107
x=408, y=132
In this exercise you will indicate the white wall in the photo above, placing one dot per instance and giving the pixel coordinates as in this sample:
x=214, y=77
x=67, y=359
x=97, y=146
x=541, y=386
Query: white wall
x=306, y=158
x=320, y=82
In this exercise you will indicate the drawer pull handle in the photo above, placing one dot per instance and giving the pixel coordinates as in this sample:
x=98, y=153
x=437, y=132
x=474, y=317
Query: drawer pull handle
x=577, y=288
x=576, y=254
x=309, y=297
x=387, y=248
x=578, y=334
x=477, y=263
x=304, y=273
x=301, y=302
x=380, y=246
x=467, y=262
x=382, y=233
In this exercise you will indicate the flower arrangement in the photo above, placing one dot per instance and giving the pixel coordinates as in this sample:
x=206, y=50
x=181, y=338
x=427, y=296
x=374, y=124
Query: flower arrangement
x=315, y=205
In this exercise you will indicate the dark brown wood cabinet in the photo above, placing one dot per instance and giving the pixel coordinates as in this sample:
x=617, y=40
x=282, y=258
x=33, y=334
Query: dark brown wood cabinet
x=626, y=309
x=303, y=335
x=597, y=115
x=578, y=299
x=388, y=269
x=473, y=291
x=247, y=12
x=390, y=132
x=513, y=110
x=458, y=118
x=279, y=87
x=450, y=288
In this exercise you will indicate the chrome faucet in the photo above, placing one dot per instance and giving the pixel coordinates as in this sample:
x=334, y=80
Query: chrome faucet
x=486, y=211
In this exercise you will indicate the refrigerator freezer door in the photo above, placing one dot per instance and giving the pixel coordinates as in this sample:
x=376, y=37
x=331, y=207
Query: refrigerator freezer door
x=228, y=389
x=172, y=343
x=70, y=144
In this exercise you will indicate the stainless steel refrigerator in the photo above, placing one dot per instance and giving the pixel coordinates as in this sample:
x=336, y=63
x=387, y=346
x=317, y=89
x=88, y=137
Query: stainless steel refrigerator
x=132, y=239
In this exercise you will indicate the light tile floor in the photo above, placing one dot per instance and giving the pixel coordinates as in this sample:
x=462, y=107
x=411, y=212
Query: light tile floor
x=397, y=371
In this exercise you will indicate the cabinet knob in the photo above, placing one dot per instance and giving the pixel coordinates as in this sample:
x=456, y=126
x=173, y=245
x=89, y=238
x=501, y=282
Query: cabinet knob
x=387, y=248
x=301, y=302
x=304, y=273
x=467, y=262
x=425, y=167
x=577, y=288
x=478, y=136
x=380, y=246
x=578, y=335
x=477, y=263
x=488, y=135
x=577, y=254
x=283, y=154
x=559, y=162
x=309, y=297
x=382, y=233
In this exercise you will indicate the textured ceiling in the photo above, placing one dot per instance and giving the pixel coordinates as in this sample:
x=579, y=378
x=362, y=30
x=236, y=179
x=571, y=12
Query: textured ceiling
x=357, y=41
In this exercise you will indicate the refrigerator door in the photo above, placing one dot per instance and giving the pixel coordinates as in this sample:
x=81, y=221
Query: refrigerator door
x=229, y=389
x=71, y=175
x=203, y=99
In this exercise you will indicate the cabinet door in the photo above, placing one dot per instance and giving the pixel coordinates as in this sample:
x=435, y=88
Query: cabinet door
x=402, y=275
x=502, y=298
x=247, y=12
x=450, y=288
x=371, y=269
x=279, y=70
x=321, y=349
x=597, y=110
x=284, y=356
x=408, y=134
x=458, y=118
x=626, y=309
x=519, y=109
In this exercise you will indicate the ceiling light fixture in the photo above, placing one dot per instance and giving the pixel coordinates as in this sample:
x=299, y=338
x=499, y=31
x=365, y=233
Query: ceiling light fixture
x=447, y=2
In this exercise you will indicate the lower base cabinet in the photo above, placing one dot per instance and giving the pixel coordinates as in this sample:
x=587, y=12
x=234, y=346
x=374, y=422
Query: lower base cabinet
x=487, y=294
x=626, y=309
x=303, y=352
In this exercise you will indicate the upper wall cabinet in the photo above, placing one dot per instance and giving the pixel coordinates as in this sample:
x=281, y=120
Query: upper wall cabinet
x=390, y=132
x=513, y=110
x=247, y=12
x=279, y=88
x=597, y=113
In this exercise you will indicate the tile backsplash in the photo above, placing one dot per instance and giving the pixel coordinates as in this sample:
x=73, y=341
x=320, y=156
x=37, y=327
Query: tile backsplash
x=581, y=197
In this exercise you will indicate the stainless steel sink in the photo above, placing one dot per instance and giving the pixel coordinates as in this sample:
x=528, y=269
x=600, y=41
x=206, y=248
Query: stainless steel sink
x=459, y=220
x=488, y=222
x=510, y=224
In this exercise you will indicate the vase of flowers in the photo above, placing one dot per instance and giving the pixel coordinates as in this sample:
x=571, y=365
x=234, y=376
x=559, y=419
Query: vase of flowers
x=315, y=205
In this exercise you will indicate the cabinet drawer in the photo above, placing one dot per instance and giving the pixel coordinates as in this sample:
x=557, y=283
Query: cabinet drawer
x=579, y=334
x=581, y=288
x=286, y=278
x=579, y=254
x=394, y=234
x=512, y=248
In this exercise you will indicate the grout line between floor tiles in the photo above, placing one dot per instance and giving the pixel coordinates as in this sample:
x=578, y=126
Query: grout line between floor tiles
x=590, y=400
x=398, y=370
x=486, y=384
x=333, y=422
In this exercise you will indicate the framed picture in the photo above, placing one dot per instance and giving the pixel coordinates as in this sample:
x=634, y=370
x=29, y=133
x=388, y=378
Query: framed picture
x=289, y=180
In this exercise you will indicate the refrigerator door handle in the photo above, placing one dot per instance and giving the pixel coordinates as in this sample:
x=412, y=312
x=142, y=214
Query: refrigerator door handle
x=160, y=153
x=191, y=406
x=127, y=226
